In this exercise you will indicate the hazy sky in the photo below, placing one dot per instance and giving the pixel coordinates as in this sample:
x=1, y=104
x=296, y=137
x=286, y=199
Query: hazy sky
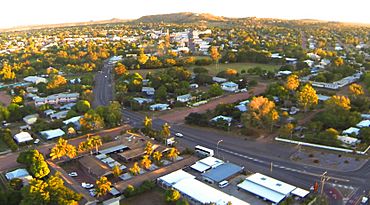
x=25, y=12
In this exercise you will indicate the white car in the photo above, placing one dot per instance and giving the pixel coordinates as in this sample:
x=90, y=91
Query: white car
x=36, y=141
x=87, y=185
x=73, y=174
x=179, y=134
x=223, y=184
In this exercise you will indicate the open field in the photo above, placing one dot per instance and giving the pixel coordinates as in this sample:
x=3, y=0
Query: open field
x=3, y=146
x=4, y=98
x=213, y=70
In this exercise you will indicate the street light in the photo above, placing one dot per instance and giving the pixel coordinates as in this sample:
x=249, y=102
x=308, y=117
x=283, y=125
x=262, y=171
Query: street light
x=323, y=179
x=219, y=141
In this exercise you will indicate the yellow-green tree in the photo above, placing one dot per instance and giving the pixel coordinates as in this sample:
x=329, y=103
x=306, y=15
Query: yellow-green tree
x=56, y=82
x=262, y=111
x=142, y=58
x=173, y=154
x=135, y=169
x=292, y=82
x=103, y=186
x=287, y=130
x=63, y=148
x=117, y=171
x=338, y=61
x=307, y=97
x=7, y=72
x=92, y=142
x=339, y=101
x=215, y=55
x=172, y=195
x=146, y=162
x=120, y=69
x=157, y=156
x=356, y=89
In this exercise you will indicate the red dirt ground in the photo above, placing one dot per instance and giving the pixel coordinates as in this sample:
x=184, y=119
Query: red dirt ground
x=4, y=98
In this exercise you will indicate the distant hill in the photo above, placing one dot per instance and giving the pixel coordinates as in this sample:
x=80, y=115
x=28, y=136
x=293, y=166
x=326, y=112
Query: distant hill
x=183, y=17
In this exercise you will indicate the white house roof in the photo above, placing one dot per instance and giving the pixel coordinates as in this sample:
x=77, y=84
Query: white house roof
x=176, y=176
x=261, y=191
x=23, y=137
x=206, y=163
x=351, y=130
x=30, y=119
x=35, y=79
x=348, y=140
x=300, y=192
x=285, y=72
x=229, y=84
x=203, y=193
x=228, y=119
x=323, y=97
x=18, y=173
x=271, y=183
x=219, y=80
x=50, y=134
x=72, y=120
x=363, y=123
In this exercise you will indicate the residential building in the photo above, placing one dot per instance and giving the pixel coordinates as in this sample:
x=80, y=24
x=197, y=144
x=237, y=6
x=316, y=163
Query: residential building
x=51, y=134
x=35, y=79
x=159, y=107
x=222, y=172
x=184, y=98
x=230, y=86
x=23, y=137
x=148, y=90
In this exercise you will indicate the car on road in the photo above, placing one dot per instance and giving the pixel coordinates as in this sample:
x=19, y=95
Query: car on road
x=223, y=184
x=87, y=185
x=179, y=134
x=364, y=200
x=73, y=174
x=36, y=141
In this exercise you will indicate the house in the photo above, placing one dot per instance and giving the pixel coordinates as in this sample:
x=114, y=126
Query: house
x=270, y=189
x=242, y=108
x=363, y=123
x=276, y=56
x=74, y=120
x=49, y=112
x=184, y=98
x=219, y=80
x=59, y=115
x=35, y=79
x=23, y=137
x=323, y=98
x=148, y=90
x=221, y=117
x=222, y=172
x=31, y=90
x=206, y=164
x=51, y=134
x=291, y=61
x=349, y=140
x=94, y=166
x=351, y=130
x=229, y=86
x=143, y=100
x=30, y=119
x=67, y=106
x=170, y=179
x=313, y=56
x=57, y=99
x=159, y=107
x=20, y=174
x=284, y=73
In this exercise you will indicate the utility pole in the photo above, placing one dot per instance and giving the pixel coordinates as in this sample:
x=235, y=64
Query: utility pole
x=323, y=179
x=219, y=141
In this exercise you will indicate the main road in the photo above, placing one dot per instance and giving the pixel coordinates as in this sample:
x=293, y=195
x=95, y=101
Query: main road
x=270, y=158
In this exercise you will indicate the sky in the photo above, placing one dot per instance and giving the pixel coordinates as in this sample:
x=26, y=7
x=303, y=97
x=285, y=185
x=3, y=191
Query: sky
x=29, y=12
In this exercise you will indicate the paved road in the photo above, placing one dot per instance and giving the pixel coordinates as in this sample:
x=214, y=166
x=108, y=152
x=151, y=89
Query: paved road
x=103, y=89
x=253, y=155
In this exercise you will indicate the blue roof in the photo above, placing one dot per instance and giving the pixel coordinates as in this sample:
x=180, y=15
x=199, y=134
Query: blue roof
x=222, y=172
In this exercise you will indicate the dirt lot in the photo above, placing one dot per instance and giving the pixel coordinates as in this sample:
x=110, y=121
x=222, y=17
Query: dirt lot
x=4, y=98
x=179, y=115
x=153, y=197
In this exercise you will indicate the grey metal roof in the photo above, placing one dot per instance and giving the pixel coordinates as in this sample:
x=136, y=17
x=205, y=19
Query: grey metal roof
x=222, y=172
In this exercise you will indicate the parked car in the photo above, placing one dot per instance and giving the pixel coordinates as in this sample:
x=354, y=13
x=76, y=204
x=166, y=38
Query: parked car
x=73, y=174
x=92, y=192
x=87, y=185
x=179, y=134
x=364, y=200
x=36, y=141
x=223, y=184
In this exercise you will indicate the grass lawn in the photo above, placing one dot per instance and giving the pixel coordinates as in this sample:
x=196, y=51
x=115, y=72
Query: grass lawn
x=155, y=197
x=3, y=146
x=213, y=70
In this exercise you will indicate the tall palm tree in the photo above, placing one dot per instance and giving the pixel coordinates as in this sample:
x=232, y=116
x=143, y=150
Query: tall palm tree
x=173, y=154
x=147, y=122
x=90, y=143
x=166, y=132
x=117, y=171
x=149, y=148
x=103, y=186
x=157, y=156
x=135, y=169
x=146, y=162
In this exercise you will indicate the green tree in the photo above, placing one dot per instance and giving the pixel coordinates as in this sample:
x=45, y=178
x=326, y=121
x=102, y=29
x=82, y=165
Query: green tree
x=4, y=113
x=83, y=106
x=91, y=121
x=35, y=163
x=161, y=93
x=215, y=90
